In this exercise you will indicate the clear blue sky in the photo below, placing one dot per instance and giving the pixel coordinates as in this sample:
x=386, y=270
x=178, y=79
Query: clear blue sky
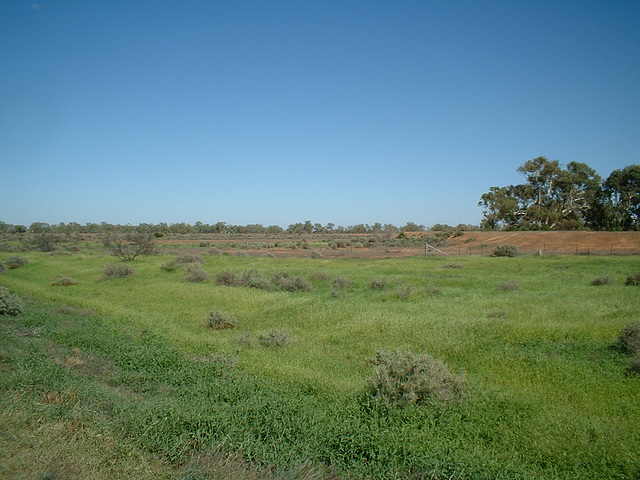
x=279, y=112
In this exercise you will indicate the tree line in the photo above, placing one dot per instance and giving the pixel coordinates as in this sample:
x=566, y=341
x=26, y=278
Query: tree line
x=564, y=198
x=300, y=228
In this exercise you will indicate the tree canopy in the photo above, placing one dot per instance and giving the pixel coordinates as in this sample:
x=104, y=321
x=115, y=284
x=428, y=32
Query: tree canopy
x=569, y=198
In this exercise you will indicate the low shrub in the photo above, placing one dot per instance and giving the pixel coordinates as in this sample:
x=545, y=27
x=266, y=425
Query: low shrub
x=170, y=266
x=10, y=304
x=402, y=378
x=214, y=251
x=629, y=339
x=269, y=255
x=404, y=292
x=117, y=270
x=379, y=283
x=601, y=280
x=189, y=258
x=320, y=276
x=316, y=254
x=246, y=339
x=62, y=281
x=274, y=338
x=221, y=320
x=204, y=244
x=256, y=279
x=285, y=280
x=433, y=290
x=633, y=279
x=341, y=282
x=195, y=273
x=511, y=285
x=506, y=251
x=3, y=268
x=16, y=261
x=228, y=278
x=635, y=365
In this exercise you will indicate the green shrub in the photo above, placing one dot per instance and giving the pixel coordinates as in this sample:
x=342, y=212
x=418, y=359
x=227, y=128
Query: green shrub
x=274, y=338
x=62, y=281
x=511, y=285
x=404, y=292
x=290, y=282
x=316, y=254
x=3, y=268
x=117, y=270
x=195, y=273
x=189, y=258
x=10, y=304
x=169, y=266
x=221, y=320
x=204, y=244
x=601, y=280
x=214, y=251
x=341, y=282
x=433, y=290
x=379, y=283
x=228, y=278
x=17, y=261
x=320, y=276
x=402, y=378
x=256, y=279
x=506, y=251
x=635, y=365
x=633, y=279
x=629, y=339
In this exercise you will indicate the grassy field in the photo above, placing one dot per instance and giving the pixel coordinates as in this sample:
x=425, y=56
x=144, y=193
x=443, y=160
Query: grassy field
x=121, y=378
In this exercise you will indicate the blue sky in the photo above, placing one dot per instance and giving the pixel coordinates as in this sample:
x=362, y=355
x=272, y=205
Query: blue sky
x=279, y=112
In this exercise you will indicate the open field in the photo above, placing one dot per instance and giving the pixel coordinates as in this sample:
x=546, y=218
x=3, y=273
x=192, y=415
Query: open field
x=122, y=378
x=462, y=243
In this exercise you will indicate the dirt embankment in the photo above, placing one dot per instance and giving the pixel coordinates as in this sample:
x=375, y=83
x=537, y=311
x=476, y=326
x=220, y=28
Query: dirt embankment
x=581, y=243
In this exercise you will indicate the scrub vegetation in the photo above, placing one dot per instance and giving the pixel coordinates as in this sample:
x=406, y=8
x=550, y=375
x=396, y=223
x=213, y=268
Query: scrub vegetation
x=312, y=368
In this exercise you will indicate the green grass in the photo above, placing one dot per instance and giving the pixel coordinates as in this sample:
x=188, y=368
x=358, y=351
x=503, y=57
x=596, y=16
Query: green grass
x=547, y=397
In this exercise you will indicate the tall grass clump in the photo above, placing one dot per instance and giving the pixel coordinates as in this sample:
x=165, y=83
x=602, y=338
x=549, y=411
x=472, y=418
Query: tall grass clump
x=402, y=378
x=117, y=270
x=274, y=338
x=221, y=320
x=10, y=304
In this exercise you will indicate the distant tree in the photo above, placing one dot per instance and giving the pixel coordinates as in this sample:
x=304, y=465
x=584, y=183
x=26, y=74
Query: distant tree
x=412, y=227
x=275, y=230
x=128, y=246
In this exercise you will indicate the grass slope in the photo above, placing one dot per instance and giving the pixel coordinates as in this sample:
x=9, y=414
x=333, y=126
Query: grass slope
x=142, y=389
